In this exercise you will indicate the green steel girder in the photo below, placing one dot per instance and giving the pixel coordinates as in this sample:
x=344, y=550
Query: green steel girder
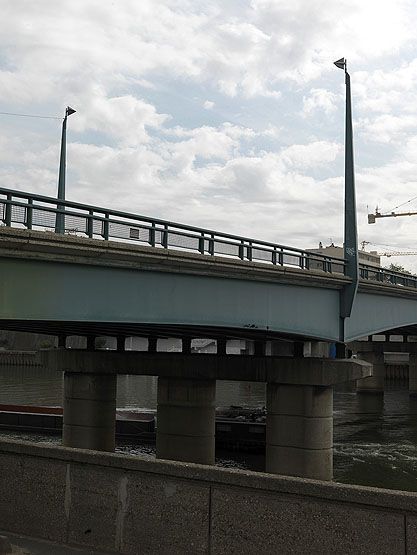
x=54, y=291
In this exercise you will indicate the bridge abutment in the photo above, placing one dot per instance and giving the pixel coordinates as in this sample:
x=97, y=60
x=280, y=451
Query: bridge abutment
x=186, y=420
x=89, y=411
x=299, y=430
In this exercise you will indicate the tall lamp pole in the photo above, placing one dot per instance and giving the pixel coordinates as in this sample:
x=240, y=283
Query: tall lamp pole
x=351, y=232
x=60, y=216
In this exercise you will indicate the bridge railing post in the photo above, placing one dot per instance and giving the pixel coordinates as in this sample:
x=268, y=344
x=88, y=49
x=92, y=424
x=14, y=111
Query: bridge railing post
x=201, y=244
x=29, y=214
x=90, y=224
x=8, y=211
x=242, y=250
x=249, y=251
x=211, y=245
x=274, y=256
x=164, y=237
x=151, y=239
x=105, y=227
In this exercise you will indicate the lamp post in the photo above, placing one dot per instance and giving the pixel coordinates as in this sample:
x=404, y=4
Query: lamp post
x=351, y=232
x=60, y=216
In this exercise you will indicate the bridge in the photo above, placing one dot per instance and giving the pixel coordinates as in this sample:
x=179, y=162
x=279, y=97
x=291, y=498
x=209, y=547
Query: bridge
x=115, y=273
x=119, y=274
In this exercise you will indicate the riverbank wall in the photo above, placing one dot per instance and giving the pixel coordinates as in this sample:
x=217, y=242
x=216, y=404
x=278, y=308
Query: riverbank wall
x=130, y=505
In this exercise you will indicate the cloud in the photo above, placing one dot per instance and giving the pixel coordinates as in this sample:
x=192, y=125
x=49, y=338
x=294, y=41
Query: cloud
x=227, y=115
x=319, y=100
x=124, y=118
x=247, y=51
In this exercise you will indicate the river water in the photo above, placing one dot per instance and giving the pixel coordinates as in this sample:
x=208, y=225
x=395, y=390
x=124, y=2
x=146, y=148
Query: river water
x=375, y=439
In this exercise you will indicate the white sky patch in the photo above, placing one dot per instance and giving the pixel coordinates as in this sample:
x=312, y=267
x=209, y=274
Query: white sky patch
x=321, y=100
x=226, y=115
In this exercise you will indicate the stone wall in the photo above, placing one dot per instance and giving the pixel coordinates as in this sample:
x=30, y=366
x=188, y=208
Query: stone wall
x=130, y=505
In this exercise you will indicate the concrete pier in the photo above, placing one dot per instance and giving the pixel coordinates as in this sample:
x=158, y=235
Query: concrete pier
x=375, y=383
x=299, y=430
x=299, y=426
x=186, y=420
x=89, y=411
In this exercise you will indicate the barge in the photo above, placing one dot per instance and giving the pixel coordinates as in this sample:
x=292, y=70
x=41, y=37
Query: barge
x=237, y=428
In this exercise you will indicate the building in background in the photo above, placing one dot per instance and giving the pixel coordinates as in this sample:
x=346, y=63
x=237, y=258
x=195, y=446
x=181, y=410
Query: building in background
x=370, y=258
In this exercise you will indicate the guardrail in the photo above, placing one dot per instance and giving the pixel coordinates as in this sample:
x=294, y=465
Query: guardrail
x=32, y=211
x=383, y=275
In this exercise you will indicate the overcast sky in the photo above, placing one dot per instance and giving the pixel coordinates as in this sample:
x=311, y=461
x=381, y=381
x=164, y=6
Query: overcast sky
x=224, y=114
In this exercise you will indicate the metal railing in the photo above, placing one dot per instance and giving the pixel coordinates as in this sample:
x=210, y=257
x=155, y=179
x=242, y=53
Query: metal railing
x=383, y=275
x=32, y=211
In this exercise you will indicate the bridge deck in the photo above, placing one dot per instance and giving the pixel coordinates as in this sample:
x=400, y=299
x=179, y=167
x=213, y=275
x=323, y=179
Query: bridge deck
x=167, y=279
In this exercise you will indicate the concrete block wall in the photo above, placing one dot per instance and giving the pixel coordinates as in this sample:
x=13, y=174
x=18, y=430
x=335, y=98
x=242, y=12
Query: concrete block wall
x=129, y=505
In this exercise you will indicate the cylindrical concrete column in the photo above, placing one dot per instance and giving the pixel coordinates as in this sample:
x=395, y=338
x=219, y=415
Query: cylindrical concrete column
x=89, y=411
x=299, y=430
x=375, y=383
x=186, y=420
x=412, y=374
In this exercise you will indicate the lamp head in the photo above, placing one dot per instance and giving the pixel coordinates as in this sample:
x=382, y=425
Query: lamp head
x=341, y=64
x=69, y=111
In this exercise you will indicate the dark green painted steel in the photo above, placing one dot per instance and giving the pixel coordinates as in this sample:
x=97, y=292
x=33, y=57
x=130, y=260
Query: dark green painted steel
x=114, y=298
x=373, y=313
x=351, y=234
x=37, y=290
x=44, y=291
x=60, y=218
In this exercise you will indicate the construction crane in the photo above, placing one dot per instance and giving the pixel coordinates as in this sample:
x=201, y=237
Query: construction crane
x=389, y=253
x=373, y=217
x=397, y=253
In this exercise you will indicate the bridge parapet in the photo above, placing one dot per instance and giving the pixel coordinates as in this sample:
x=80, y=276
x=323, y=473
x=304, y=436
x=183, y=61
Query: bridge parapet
x=32, y=211
x=39, y=212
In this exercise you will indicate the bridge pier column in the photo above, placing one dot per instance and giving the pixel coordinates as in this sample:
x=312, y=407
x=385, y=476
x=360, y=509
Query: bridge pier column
x=299, y=430
x=186, y=420
x=412, y=374
x=89, y=410
x=375, y=383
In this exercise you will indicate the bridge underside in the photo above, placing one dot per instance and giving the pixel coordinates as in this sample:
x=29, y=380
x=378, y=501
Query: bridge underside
x=116, y=329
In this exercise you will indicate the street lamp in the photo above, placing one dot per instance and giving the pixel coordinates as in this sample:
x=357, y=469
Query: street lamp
x=60, y=217
x=351, y=232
